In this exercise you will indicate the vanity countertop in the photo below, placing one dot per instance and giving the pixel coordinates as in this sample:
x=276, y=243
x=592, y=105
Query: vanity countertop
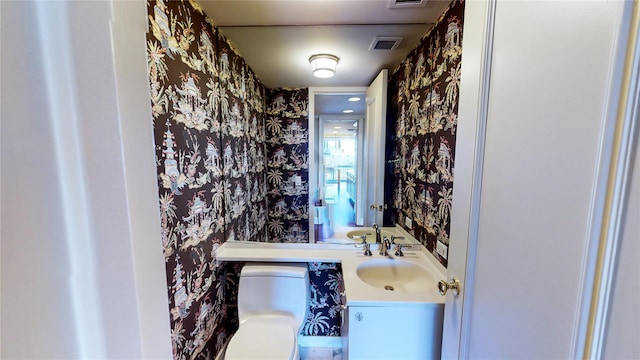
x=357, y=292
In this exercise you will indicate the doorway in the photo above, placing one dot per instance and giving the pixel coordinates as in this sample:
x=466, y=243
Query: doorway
x=339, y=171
x=337, y=162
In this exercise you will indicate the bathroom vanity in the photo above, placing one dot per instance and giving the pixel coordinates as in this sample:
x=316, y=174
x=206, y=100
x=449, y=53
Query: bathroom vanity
x=393, y=331
x=391, y=305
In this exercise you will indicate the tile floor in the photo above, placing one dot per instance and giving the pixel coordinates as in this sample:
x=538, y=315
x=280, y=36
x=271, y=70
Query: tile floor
x=314, y=353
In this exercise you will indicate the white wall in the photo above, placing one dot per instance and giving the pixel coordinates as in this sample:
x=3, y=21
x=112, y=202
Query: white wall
x=549, y=89
x=82, y=268
x=36, y=316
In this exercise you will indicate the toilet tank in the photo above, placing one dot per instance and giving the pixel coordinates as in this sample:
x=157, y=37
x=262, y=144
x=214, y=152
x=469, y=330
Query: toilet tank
x=274, y=288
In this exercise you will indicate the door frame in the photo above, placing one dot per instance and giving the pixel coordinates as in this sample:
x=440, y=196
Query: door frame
x=374, y=143
x=470, y=144
x=610, y=202
x=616, y=149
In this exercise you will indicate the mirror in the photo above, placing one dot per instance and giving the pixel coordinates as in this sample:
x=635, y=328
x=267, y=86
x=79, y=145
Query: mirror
x=346, y=177
x=338, y=171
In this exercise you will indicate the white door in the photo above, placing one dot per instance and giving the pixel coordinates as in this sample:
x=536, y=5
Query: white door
x=375, y=126
x=468, y=165
x=531, y=150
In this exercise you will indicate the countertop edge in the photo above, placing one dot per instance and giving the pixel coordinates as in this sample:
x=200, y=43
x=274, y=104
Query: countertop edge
x=357, y=293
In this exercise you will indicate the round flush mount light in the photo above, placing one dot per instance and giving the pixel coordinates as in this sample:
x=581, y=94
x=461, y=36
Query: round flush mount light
x=347, y=111
x=323, y=65
x=354, y=99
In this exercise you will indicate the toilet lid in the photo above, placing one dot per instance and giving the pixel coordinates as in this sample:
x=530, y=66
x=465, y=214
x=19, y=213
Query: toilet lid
x=263, y=337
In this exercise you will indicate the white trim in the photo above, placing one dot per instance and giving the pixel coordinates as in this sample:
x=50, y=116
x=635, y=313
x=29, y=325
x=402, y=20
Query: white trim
x=619, y=135
x=128, y=38
x=476, y=191
x=313, y=181
x=471, y=135
x=60, y=75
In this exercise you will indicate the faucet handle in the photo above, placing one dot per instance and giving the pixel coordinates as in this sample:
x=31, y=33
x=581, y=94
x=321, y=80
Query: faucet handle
x=393, y=238
x=360, y=244
x=363, y=237
x=367, y=249
x=399, y=248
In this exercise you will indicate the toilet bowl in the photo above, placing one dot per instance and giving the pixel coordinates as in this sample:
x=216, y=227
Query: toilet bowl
x=273, y=300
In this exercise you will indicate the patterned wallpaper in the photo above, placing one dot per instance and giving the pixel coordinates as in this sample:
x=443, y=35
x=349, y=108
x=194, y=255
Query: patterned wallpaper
x=422, y=122
x=324, y=306
x=287, y=128
x=228, y=152
x=242, y=104
x=232, y=160
x=188, y=118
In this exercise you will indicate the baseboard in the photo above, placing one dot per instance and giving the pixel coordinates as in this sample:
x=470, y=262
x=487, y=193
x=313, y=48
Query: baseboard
x=320, y=341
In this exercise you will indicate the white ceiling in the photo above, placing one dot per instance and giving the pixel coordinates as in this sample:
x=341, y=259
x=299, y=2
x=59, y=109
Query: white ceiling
x=277, y=37
x=339, y=128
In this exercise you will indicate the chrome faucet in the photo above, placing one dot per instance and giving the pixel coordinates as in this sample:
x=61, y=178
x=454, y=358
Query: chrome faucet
x=393, y=239
x=384, y=247
x=365, y=246
x=367, y=249
x=377, y=229
x=398, y=246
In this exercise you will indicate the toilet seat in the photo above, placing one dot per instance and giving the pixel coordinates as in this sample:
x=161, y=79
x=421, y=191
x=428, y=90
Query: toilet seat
x=265, y=337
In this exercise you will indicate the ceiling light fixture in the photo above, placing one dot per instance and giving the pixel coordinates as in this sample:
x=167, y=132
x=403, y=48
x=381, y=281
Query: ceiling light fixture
x=324, y=65
x=347, y=111
x=355, y=98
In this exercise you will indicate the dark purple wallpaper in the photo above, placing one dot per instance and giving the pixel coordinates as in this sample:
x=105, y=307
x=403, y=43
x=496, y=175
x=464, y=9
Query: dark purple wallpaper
x=221, y=177
x=422, y=122
x=287, y=128
x=188, y=125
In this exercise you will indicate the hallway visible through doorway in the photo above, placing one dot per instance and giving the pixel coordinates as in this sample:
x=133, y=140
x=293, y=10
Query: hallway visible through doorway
x=337, y=214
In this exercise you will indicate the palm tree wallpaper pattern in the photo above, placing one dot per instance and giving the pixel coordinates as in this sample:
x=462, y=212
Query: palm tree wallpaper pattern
x=232, y=160
x=287, y=128
x=422, y=121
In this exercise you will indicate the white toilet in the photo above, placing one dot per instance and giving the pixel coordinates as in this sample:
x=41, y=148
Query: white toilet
x=273, y=300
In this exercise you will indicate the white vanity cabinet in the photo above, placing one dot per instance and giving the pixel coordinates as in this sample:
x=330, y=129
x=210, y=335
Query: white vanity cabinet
x=405, y=323
x=392, y=331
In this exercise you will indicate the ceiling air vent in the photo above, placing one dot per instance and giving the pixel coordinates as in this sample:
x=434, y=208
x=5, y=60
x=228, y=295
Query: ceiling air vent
x=401, y=4
x=385, y=43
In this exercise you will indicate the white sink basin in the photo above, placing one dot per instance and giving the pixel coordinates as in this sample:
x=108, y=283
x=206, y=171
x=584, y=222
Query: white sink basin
x=393, y=274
